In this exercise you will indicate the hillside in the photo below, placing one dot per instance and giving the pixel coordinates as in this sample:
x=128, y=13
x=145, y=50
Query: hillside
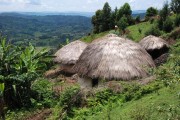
x=43, y=30
x=122, y=67
x=138, y=101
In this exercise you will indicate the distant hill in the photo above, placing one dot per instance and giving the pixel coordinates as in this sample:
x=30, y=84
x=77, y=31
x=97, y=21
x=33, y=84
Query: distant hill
x=138, y=11
x=85, y=14
x=48, y=30
x=141, y=13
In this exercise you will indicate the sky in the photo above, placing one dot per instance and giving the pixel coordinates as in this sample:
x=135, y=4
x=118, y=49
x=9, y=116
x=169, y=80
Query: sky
x=73, y=5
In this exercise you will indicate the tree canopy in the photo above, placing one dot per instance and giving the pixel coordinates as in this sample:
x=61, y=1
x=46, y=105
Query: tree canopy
x=175, y=6
x=151, y=12
x=106, y=19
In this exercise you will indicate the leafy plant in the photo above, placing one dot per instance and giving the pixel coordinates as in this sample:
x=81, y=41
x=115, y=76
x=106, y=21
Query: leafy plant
x=168, y=25
x=177, y=20
x=19, y=66
x=153, y=31
x=43, y=94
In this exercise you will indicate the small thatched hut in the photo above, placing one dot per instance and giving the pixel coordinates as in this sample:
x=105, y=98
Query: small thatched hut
x=155, y=46
x=69, y=54
x=112, y=58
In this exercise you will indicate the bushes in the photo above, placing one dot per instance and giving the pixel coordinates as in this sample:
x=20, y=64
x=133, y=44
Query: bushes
x=153, y=31
x=43, y=95
x=177, y=20
x=168, y=25
x=175, y=34
x=123, y=23
x=169, y=73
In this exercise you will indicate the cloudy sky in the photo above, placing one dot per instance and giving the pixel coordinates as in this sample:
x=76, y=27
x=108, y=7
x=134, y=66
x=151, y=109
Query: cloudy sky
x=72, y=5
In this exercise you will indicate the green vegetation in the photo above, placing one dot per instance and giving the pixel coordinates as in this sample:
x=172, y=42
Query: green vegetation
x=105, y=19
x=151, y=12
x=43, y=30
x=27, y=93
x=161, y=105
x=19, y=67
x=92, y=37
x=175, y=6
x=135, y=33
x=123, y=23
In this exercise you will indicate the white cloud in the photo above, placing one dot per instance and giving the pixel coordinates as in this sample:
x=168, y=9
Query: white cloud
x=92, y=1
x=131, y=1
x=71, y=5
x=32, y=2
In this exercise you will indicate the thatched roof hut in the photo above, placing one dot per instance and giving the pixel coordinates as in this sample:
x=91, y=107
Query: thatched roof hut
x=113, y=58
x=70, y=53
x=155, y=46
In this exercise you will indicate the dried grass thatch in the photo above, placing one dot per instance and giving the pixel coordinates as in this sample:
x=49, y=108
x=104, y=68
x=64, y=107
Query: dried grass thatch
x=152, y=42
x=70, y=53
x=155, y=46
x=114, y=58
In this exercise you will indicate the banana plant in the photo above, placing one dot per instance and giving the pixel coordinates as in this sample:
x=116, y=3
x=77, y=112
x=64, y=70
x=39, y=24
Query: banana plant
x=19, y=66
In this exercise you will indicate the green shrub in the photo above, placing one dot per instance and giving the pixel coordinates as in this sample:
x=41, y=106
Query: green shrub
x=138, y=19
x=100, y=97
x=175, y=34
x=140, y=30
x=168, y=25
x=43, y=94
x=153, y=31
x=177, y=20
x=67, y=97
x=123, y=23
x=169, y=73
x=70, y=98
x=140, y=113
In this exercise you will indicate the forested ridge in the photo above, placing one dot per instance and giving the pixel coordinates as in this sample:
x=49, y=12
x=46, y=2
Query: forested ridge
x=43, y=30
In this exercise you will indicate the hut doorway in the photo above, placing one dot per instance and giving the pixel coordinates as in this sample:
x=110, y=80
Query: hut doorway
x=95, y=82
x=158, y=52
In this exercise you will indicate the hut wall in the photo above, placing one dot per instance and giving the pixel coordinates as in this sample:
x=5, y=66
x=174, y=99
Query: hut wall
x=85, y=82
x=67, y=69
x=90, y=83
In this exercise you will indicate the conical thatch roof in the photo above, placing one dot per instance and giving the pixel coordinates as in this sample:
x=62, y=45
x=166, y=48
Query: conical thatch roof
x=70, y=53
x=152, y=42
x=114, y=58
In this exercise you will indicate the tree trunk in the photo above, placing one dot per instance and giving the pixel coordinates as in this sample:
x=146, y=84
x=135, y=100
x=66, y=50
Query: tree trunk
x=2, y=114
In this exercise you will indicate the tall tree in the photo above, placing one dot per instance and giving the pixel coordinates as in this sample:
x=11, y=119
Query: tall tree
x=114, y=19
x=106, y=15
x=175, y=6
x=126, y=11
x=123, y=23
x=97, y=21
x=165, y=11
x=151, y=12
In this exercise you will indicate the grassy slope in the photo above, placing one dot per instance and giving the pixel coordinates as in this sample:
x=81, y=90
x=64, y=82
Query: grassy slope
x=155, y=106
x=152, y=106
x=134, y=31
x=161, y=105
x=90, y=38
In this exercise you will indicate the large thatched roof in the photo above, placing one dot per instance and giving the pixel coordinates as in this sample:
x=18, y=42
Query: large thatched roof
x=112, y=57
x=70, y=53
x=152, y=42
